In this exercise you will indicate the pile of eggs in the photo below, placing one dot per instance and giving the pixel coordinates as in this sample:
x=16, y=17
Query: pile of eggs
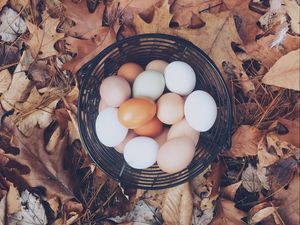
x=154, y=115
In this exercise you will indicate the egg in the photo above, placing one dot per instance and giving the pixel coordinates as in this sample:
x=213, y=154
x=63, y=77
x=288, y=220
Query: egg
x=170, y=108
x=115, y=90
x=176, y=154
x=130, y=71
x=200, y=110
x=183, y=129
x=141, y=152
x=162, y=138
x=157, y=65
x=108, y=128
x=180, y=78
x=151, y=129
x=136, y=112
x=150, y=84
x=102, y=105
x=120, y=147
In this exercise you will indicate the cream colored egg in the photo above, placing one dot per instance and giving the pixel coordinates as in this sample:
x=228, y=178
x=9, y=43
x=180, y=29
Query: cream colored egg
x=102, y=105
x=182, y=128
x=157, y=65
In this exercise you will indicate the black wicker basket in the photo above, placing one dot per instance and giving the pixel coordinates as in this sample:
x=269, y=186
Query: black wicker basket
x=142, y=49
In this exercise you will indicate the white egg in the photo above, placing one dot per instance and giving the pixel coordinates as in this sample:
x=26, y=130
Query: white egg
x=141, y=152
x=180, y=78
x=108, y=128
x=200, y=110
x=150, y=84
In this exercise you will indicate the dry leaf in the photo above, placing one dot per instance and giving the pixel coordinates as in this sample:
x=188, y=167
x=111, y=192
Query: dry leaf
x=260, y=212
x=13, y=200
x=2, y=4
x=3, y=210
x=5, y=80
x=250, y=180
x=285, y=72
x=227, y=214
x=230, y=190
x=32, y=211
x=9, y=55
x=42, y=40
x=11, y=25
x=202, y=217
x=292, y=8
x=289, y=202
x=177, y=206
x=248, y=28
x=41, y=73
x=244, y=142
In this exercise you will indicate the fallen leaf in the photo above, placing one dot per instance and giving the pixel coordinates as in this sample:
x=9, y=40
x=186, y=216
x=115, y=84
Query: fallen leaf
x=244, y=142
x=264, y=179
x=227, y=214
x=288, y=200
x=5, y=80
x=202, y=217
x=285, y=72
x=42, y=41
x=230, y=190
x=2, y=4
x=3, y=210
x=248, y=28
x=177, y=206
x=32, y=211
x=13, y=200
x=41, y=73
x=292, y=8
x=11, y=25
x=9, y=55
x=250, y=180
x=261, y=211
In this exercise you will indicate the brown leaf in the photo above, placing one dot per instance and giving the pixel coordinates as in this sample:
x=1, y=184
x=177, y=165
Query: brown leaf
x=230, y=190
x=292, y=9
x=177, y=206
x=248, y=28
x=285, y=72
x=262, y=211
x=2, y=210
x=250, y=180
x=289, y=202
x=42, y=41
x=13, y=200
x=227, y=214
x=5, y=80
x=9, y=55
x=2, y=4
x=41, y=73
x=244, y=142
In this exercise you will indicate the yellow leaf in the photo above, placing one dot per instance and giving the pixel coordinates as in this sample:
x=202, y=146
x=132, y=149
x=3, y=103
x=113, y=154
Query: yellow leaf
x=285, y=72
x=42, y=41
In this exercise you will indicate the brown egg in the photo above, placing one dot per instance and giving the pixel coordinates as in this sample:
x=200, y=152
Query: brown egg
x=176, y=154
x=151, y=129
x=157, y=65
x=130, y=71
x=135, y=112
x=121, y=146
x=162, y=138
x=170, y=108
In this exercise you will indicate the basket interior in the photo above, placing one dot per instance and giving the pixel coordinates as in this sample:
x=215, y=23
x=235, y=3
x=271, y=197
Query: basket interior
x=142, y=49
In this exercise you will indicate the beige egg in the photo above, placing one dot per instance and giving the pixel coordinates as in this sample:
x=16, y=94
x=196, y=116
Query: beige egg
x=182, y=128
x=170, y=108
x=102, y=105
x=176, y=154
x=162, y=138
x=121, y=146
x=157, y=65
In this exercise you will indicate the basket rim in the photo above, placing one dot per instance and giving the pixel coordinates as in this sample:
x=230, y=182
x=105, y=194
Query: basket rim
x=87, y=69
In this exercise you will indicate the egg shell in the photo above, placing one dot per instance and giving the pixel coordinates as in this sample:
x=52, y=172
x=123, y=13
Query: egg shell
x=141, y=152
x=102, y=105
x=180, y=78
x=130, y=71
x=182, y=128
x=151, y=129
x=108, y=128
x=157, y=65
x=162, y=138
x=136, y=112
x=176, y=154
x=150, y=84
x=200, y=110
x=170, y=108
x=115, y=90
x=120, y=147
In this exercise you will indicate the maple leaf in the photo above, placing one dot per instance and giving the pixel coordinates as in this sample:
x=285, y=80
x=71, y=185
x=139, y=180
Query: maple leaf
x=42, y=41
x=214, y=38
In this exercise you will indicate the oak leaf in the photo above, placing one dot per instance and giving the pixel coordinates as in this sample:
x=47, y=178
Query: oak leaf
x=42, y=41
x=177, y=206
x=285, y=72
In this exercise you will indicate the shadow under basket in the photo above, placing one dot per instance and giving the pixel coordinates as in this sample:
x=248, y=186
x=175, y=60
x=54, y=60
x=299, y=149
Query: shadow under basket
x=142, y=49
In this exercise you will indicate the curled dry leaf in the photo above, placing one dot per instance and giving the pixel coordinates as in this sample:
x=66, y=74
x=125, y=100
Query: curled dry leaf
x=250, y=180
x=5, y=80
x=285, y=72
x=262, y=211
x=230, y=190
x=42, y=40
x=41, y=73
x=292, y=9
x=177, y=206
x=11, y=25
x=244, y=142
